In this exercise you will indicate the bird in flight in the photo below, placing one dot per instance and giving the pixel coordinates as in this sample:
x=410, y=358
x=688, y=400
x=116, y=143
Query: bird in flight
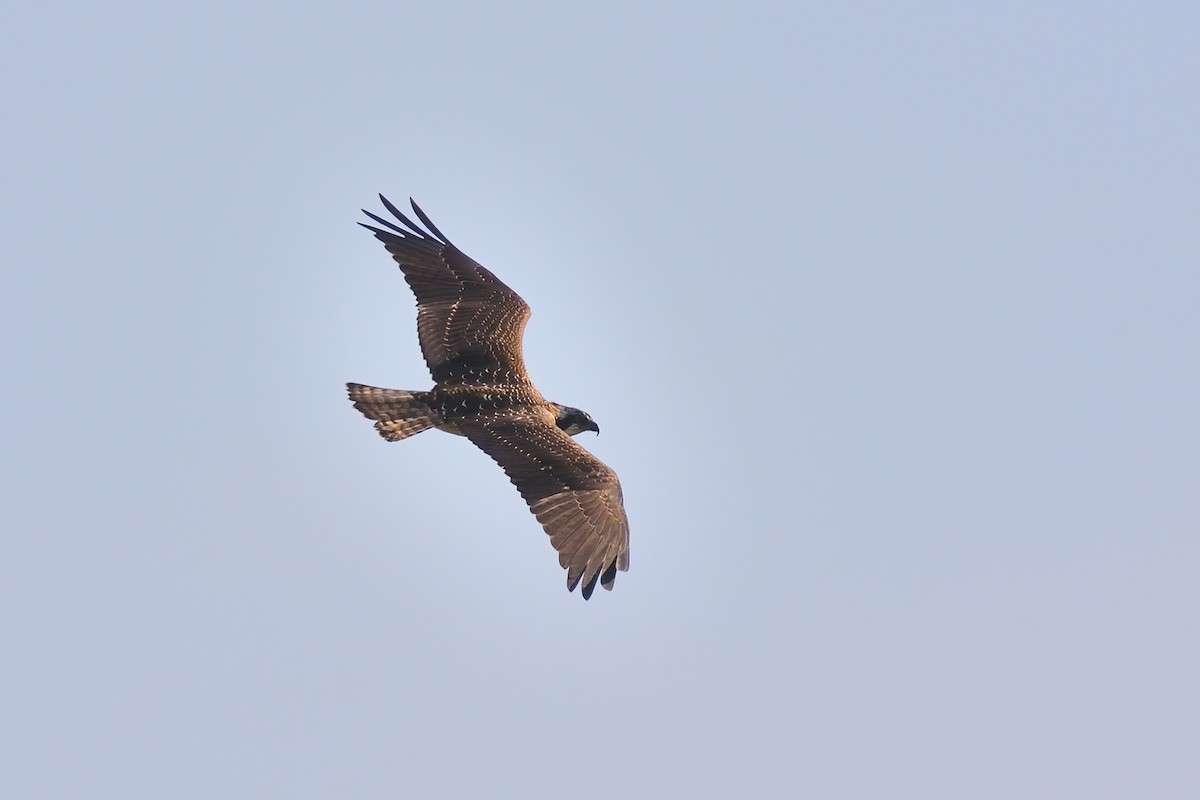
x=470, y=326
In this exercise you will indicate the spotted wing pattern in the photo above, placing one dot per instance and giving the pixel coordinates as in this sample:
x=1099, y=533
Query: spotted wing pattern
x=571, y=492
x=469, y=323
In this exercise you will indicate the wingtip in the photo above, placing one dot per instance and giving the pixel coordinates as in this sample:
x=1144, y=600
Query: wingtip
x=609, y=577
x=585, y=589
x=428, y=223
x=391, y=207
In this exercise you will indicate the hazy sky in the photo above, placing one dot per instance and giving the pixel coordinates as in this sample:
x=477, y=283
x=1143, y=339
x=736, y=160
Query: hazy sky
x=890, y=315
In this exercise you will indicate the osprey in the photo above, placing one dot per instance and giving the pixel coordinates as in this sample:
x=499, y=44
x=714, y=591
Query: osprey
x=470, y=327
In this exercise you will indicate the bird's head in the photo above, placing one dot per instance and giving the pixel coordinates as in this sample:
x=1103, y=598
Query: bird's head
x=574, y=421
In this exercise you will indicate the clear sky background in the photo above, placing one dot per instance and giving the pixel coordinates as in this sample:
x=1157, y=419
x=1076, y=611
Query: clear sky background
x=889, y=313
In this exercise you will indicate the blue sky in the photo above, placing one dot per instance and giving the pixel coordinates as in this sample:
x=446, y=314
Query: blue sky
x=888, y=315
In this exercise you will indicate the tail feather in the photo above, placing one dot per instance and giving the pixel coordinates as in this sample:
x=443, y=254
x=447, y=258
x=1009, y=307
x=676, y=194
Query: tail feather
x=397, y=413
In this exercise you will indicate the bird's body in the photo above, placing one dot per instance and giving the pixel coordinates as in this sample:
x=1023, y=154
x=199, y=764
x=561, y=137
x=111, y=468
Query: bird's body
x=470, y=326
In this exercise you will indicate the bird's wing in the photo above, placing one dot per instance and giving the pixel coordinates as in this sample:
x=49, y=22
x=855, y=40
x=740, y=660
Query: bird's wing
x=572, y=493
x=469, y=323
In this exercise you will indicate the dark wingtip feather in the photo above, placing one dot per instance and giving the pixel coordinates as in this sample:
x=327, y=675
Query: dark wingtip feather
x=428, y=224
x=387, y=223
x=380, y=234
x=392, y=208
x=590, y=587
x=609, y=577
x=398, y=214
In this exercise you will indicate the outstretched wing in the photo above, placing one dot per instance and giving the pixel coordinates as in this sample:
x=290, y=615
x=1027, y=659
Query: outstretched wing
x=571, y=492
x=469, y=323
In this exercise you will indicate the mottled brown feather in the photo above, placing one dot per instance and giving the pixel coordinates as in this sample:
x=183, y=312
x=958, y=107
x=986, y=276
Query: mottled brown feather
x=469, y=323
x=398, y=413
x=571, y=492
x=470, y=326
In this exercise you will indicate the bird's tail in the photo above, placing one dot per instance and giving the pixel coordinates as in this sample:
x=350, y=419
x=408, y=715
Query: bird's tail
x=397, y=413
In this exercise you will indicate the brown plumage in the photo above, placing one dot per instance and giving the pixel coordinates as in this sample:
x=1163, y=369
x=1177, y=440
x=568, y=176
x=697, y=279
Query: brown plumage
x=470, y=326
